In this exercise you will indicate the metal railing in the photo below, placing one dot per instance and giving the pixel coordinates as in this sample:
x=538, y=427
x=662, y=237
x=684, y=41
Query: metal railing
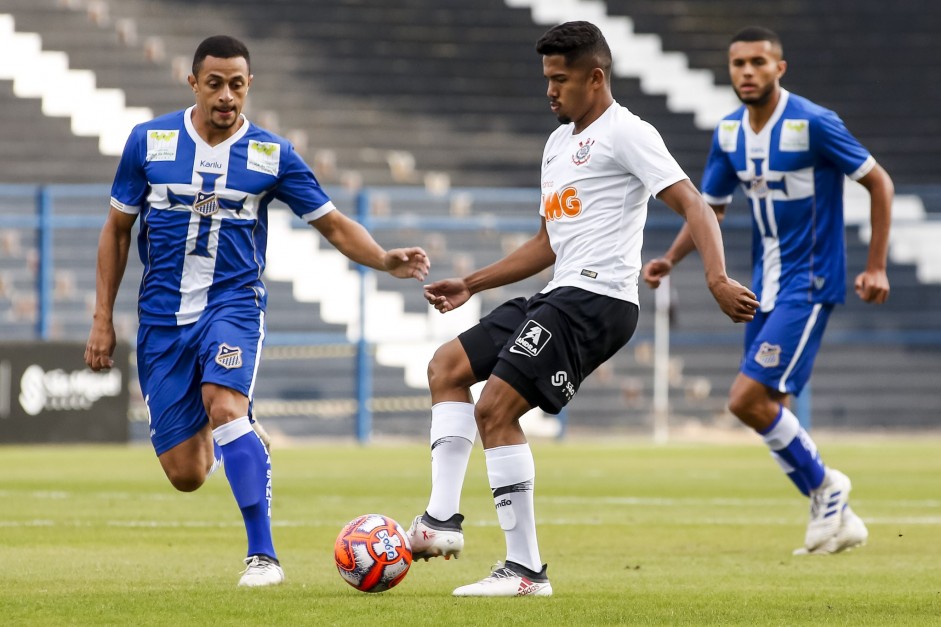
x=45, y=209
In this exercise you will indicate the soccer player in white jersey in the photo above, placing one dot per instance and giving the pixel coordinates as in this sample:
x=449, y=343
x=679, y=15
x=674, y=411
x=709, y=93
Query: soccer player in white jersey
x=599, y=169
x=201, y=181
x=790, y=157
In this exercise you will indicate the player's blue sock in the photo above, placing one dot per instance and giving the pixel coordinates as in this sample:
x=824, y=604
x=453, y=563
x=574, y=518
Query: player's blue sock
x=248, y=469
x=794, y=450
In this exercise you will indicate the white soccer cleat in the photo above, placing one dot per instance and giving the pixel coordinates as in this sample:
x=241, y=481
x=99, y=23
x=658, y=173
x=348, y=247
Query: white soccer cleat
x=261, y=570
x=852, y=533
x=826, y=509
x=509, y=580
x=431, y=537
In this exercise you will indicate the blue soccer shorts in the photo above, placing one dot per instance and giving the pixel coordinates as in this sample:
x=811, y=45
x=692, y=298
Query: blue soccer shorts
x=781, y=345
x=173, y=362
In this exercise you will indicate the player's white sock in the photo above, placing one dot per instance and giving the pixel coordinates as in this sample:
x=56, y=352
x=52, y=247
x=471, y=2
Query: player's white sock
x=512, y=473
x=453, y=430
x=795, y=451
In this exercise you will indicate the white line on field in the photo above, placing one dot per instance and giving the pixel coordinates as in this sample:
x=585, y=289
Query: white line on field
x=553, y=522
x=556, y=500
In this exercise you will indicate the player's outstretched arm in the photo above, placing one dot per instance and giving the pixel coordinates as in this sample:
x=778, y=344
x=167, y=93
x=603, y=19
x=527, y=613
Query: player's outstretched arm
x=355, y=242
x=533, y=256
x=735, y=300
x=872, y=284
x=113, y=245
x=656, y=269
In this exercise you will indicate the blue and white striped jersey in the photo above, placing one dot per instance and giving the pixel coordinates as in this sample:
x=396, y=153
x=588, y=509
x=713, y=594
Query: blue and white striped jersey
x=204, y=212
x=792, y=173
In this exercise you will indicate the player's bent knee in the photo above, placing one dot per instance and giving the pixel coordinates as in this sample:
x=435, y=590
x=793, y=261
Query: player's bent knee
x=449, y=369
x=186, y=482
x=738, y=405
x=184, y=474
x=756, y=413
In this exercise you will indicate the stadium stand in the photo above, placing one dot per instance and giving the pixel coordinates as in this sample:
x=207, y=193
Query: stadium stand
x=450, y=93
x=456, y=87
x=872, y=64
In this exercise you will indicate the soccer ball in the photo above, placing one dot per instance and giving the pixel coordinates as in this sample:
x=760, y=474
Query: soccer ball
x=372, y=553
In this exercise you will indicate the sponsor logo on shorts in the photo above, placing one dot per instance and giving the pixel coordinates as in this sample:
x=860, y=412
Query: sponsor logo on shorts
x=561, y=380
x=229, y=356
x=531, y=339
x=206, y=203
x=768, y=355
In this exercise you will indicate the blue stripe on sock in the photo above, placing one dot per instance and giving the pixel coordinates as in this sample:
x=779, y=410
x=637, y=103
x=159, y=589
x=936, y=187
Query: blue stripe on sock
x=808, y=467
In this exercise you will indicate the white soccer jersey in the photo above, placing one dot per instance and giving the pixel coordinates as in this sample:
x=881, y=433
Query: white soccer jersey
x=595, y=188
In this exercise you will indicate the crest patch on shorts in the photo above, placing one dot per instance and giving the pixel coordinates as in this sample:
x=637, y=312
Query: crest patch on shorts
x=229, y=356
x=531, y=339
x=768, y=355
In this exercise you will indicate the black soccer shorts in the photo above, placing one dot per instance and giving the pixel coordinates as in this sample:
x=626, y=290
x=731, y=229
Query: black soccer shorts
x=544, y=347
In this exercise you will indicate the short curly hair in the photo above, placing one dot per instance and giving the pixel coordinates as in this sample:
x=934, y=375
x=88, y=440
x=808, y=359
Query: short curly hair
x=758, y=33
x=221, y=47
x=577, y=41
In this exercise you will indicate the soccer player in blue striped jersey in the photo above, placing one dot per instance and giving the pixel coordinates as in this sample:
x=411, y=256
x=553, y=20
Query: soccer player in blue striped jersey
x=201, y=181
x=790, y=157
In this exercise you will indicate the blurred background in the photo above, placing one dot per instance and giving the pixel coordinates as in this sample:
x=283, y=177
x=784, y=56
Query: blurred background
x=426, y=120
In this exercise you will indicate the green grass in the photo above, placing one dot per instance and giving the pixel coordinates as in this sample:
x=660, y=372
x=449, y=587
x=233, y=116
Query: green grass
x=634, y=534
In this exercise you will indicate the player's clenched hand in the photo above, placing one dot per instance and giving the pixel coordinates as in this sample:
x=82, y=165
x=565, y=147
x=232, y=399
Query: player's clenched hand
x=872, y=286
x=100, y=346
x=655, y=270
x=405, y=263
x=735, y=300
x=447, y=294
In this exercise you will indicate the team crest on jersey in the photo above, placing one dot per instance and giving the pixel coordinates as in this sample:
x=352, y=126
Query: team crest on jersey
x=161, y=145
x=531, y=340
x=583, y=154
x=768, y=355
x=758, y=187
x=206, y=203
x=728, y=135
x=229, y=357
x=795, y=136
x=264, y=157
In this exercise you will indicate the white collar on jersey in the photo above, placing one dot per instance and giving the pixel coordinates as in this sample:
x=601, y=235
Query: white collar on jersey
x=191, y=130
x=778, y=112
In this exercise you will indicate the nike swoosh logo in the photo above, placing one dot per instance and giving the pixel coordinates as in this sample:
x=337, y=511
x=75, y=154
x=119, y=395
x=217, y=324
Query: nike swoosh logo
x=550, y=159
x=513, y=349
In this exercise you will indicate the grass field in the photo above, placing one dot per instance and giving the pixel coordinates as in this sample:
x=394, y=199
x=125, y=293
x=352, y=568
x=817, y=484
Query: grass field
x=633, y=534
